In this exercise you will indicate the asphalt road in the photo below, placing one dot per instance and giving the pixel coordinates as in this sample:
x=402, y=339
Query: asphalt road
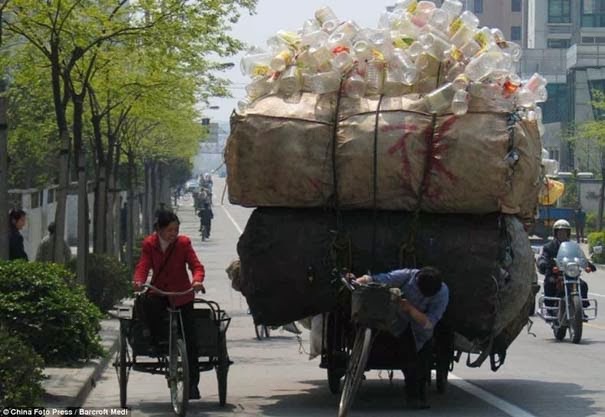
x=541, y=377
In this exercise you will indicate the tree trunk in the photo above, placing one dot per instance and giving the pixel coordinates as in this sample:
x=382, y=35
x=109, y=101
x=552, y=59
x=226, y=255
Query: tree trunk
x=60, y=103
x=3, y=175
x=80, y=156
x=100, y=208
x=130, y=223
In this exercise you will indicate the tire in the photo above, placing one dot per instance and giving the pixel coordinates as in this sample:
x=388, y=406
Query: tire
x=576, y=322
x=122, y=364
x=222, y=369
x=178, y=378
x=559, y=330
x=355, y=369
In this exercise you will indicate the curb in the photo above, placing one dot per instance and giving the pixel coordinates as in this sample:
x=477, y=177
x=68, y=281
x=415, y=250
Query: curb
x=69, y=387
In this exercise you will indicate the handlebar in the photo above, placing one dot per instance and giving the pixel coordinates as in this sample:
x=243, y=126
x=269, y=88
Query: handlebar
x=147, y=287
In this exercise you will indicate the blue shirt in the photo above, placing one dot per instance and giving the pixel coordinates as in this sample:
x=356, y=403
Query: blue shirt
x=433, y=307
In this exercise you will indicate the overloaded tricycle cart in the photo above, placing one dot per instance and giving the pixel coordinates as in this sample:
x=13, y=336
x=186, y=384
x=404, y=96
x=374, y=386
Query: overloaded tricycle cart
x=170, y=357
x=358, y=336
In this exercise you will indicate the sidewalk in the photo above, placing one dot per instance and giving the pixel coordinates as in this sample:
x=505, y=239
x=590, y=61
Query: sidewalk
x=68, y=387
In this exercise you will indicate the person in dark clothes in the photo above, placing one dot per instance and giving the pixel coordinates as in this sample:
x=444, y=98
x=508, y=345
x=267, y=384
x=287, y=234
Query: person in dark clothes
x=17, y=220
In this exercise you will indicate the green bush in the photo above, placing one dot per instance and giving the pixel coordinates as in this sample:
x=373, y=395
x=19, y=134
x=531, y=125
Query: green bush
x=56, y=318
x=107, y=281
x=20, y=373
x=591, y=222
x=597, y=239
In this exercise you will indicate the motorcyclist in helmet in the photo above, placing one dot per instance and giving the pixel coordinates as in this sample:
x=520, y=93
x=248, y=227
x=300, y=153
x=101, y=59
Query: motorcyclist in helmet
x=546, y=262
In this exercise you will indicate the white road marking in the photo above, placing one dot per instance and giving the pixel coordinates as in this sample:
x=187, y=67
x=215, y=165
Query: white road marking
x=239, y=229
x=504, y=406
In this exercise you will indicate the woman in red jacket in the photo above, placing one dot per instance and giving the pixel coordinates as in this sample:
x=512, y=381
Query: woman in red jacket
x=167, y=254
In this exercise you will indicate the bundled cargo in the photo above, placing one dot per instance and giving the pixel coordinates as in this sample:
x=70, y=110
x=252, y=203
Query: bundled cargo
x=384, y=154
x=287, y=256
x=390, y=118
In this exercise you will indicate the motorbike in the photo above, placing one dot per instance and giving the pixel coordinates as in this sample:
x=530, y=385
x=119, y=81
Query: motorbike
x=568, y=310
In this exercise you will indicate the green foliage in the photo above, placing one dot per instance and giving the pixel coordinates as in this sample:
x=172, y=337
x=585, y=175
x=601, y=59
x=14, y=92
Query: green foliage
x=591, y=222
x=597, y=239
x=41, y=303
x=20, y=373
x=108, y=280
x=179, y=171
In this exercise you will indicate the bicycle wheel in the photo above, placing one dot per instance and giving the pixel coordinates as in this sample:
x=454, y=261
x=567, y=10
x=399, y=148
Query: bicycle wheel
x=122, y=364
x=178, y=378
x=355, y=370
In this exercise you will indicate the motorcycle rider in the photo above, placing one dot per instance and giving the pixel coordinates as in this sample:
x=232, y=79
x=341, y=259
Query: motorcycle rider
x=546, y=262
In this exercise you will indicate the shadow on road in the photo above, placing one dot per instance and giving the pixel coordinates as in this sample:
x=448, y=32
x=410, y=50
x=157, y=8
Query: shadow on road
x=381, y=398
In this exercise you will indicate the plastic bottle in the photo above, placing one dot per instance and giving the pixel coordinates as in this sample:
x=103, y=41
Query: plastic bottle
x=349, y=29
x=324, y=14
x=381, y=41
x=440, y=19
x=355, y=85
x=481, y=66
x=408, y=69
x=314, y=39
x=330, y=26
x=310, y=26
x=342, y=61
x=453, y=8
x=375, y=77
x=261, y=87
x=256, y=64
x=282, y=60
x=362, y=49
x=290, y=81
x=434, y=44
x=394, y=81
x=406, y=5
x=467, y=18
x=339, y=42
x=440, y=99
x=428, y=65
x=460, y=102
x=325, y=82
x=422, y=14
x=322, y=57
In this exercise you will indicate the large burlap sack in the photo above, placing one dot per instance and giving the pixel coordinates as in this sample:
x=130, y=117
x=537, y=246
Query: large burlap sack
x=280, y=154
x=287, y=257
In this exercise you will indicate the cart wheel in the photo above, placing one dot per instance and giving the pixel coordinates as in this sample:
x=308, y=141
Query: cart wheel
x=178, y=378
x=122, y=364
x=355, y=370
x=222, y=369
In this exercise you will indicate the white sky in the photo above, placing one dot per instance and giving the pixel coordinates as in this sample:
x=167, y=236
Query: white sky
x=274, y=15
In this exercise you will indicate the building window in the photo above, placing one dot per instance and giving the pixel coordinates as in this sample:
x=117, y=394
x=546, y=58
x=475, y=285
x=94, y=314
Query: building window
x=478, y=6
x=555, y=108
x=559, y=11
x=515, y=5
x=553, y=153
x=593, y=13
x=515, y=33
x=558, y=43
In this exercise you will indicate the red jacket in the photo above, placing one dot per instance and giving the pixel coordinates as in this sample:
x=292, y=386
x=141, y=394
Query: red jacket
x=173, y=276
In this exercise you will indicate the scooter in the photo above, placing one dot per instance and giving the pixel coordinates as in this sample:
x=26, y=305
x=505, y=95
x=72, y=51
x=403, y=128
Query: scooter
x=566, y=311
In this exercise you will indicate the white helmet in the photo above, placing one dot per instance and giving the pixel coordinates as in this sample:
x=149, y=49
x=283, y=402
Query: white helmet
x=561, y=224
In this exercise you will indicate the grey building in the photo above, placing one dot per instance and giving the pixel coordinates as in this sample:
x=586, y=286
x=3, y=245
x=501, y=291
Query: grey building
x=566, y=41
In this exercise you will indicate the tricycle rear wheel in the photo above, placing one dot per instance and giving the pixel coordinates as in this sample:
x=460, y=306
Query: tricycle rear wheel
x=222, y=369
x=122, y=365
